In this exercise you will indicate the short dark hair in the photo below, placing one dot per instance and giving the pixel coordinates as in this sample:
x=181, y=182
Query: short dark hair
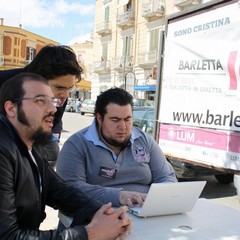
x=54, y=61
x=113, y=95
x=12, y=89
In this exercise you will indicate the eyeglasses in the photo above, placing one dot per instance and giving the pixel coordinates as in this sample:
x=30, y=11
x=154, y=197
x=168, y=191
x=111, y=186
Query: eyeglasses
x=40, y=100
x=61, y=89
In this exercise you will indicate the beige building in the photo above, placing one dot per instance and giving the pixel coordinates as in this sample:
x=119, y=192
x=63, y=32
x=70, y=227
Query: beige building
x=84, y=53
x=18, y=47
x=126, y=43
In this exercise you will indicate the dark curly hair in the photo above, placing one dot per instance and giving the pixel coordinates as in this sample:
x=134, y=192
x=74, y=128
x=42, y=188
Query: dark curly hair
x=113, y=95
x=54, y=61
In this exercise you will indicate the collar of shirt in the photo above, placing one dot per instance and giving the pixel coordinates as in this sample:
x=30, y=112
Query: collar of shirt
x=93, y=136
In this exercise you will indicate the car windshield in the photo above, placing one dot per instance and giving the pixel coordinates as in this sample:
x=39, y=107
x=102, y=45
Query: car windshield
x=138, y=113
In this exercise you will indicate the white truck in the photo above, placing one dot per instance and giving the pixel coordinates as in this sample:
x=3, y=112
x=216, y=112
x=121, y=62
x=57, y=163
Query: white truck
x=198, y=115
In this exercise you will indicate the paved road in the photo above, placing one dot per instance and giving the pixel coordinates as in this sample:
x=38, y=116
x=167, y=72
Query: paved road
x=215, y=191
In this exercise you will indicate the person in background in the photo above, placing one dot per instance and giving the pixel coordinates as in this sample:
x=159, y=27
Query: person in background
x=58, y=64
x=28, y=183
x=78, y=105
x=111, y=160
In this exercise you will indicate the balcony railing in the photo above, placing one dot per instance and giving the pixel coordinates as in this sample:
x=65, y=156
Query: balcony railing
x=125, y=19
x=102, y=66
x=148, y=59
x=122, y=63
x=104, y=28
x=153, y=8
x=185, y=3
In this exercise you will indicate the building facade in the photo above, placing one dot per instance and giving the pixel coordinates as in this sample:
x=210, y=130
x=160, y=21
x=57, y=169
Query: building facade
x=84, y=53
x=18, y=47
x=126, y=43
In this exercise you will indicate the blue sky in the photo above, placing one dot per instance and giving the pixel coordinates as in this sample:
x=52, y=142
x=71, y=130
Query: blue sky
x=64, y=21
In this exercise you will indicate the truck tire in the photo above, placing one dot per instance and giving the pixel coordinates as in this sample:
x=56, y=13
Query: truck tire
x=225, y=178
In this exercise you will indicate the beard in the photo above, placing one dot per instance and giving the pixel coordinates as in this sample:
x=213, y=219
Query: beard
x=113, y=142
x=39, y=137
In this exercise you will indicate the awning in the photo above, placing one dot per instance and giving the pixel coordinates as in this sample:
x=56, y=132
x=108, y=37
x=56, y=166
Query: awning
x=145, y=88
x=122, y=3
x=84, y=85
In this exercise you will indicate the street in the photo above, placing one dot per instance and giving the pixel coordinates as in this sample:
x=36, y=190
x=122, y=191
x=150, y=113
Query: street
x=221, y=193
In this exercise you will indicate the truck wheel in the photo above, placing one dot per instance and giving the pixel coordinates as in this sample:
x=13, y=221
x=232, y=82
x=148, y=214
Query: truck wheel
x=225, y=178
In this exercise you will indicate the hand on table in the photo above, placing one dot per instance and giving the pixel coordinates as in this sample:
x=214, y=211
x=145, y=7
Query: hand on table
x=109, y=224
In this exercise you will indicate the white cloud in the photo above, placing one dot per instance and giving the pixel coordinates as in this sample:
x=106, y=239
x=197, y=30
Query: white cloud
x=41, y=13
x=81, y=39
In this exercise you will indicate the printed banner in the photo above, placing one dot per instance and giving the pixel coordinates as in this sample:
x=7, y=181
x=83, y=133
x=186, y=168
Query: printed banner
x=201, y=87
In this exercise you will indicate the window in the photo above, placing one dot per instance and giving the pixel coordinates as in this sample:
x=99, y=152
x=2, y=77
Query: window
x=31, y=53
x=104, y=51
x=127, y=46
x=106, y=16
x=154, y=39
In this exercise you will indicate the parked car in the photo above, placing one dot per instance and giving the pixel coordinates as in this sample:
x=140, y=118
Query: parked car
x=138, y=102
x=87, y=106
x=143, y=118
x=71, y=105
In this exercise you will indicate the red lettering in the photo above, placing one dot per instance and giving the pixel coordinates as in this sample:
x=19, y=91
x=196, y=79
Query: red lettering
x=231, y=69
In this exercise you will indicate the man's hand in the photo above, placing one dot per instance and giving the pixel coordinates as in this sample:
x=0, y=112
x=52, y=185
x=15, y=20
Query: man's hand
x=109, y=224
x=130, y=199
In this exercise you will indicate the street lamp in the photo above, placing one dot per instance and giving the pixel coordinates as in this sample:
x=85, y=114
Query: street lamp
x=129, y=78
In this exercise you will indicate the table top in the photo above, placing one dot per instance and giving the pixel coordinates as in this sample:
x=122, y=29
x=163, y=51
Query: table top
x=207, y=221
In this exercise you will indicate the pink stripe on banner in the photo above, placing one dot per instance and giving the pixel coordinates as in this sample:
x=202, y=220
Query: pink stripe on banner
x=234, y=142
x=231, y=70
x=194, y=136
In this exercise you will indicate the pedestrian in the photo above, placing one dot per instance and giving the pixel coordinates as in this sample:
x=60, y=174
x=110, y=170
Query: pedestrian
x=78, y=105
x=28, y=184
x=58, y=64
x=111, y=160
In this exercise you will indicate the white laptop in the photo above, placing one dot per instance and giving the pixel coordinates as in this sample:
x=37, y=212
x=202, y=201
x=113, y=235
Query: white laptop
x=169, y=198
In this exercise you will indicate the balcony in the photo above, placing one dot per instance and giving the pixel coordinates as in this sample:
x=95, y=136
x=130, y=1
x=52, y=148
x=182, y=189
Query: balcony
x=103, y=66
x=186, y=3
x=148, y=59
x=122, y=63
x=104, y=28
x=125, y=19
x=153, y=9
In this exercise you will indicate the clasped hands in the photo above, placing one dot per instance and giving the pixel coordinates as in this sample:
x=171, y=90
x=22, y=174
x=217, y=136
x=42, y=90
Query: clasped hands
x=109, y=224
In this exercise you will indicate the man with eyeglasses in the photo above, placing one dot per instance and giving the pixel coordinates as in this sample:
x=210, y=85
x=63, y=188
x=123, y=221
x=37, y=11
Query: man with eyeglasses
x=28, y=184
x=58, y=64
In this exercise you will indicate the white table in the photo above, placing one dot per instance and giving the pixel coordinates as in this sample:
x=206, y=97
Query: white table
x=207, y=221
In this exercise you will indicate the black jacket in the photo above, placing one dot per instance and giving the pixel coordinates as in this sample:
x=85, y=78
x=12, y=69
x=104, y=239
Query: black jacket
x=23, y=194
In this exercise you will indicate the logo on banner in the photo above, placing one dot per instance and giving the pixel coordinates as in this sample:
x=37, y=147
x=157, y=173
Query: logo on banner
x=182, y=135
